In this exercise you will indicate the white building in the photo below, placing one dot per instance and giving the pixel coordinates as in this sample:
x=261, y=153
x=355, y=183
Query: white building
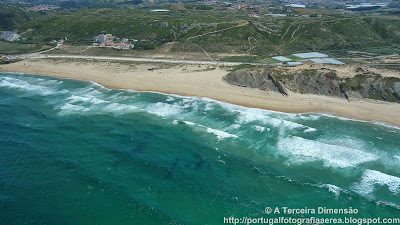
x=328, y=61
x=10, y=36
x=309, y=55
x=282, y=58
x=104, y=38
x=160, y=10
x=296, y=6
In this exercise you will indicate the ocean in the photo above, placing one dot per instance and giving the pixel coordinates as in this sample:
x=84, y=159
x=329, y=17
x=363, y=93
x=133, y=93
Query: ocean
x=74, y=152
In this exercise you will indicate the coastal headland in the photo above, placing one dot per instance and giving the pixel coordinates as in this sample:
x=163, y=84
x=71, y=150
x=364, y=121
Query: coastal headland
x=204, y=81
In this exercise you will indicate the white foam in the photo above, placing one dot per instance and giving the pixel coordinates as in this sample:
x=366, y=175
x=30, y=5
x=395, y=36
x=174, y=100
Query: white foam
x=234, y=126
x=250, y=115
x=221, y=134
x=247, y=115
x=70, y=107
x=118, y=97
x=189, y=123
x=362, y=121
x=164, y=109
x=397, y=157
x=25, y=86
x=309, y=117
x=303, y=150
x=5, y=83
x=175, y=122
x=332, y=188
x=209, y=106
x=372, y=178
x=120, y=108
x=188, y=104
x=92, y=100
x=380, y=202
x=50, y=82
x=290, y=125
x=170, y=99
x=348, y=142
x=310, y=129
x=259, y=128
x=88, y=91
x=221, y=161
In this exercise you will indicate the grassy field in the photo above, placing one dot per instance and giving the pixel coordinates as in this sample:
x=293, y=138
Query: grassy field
x=16, y=48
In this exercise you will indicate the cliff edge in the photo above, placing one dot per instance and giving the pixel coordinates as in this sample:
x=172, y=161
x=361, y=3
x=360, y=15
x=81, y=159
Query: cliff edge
x=365, y=85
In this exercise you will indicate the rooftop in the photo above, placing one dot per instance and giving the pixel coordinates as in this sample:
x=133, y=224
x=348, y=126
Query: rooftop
x=308, y=55
x=282, y=58
x=328, y=60
x=296, y=6
x=160, y=10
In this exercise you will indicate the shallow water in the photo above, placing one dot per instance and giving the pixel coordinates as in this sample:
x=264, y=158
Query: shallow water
x=74, y=152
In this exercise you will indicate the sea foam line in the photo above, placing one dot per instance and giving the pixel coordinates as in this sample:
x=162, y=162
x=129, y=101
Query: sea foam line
x=219, y=133
x=331, y=155
x=372, y=178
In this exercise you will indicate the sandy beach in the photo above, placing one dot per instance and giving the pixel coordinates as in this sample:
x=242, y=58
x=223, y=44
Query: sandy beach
x=202, y=81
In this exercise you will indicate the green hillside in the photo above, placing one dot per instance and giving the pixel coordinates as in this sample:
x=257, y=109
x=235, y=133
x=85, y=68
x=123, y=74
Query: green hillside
x=224, y=31
x=12, y=16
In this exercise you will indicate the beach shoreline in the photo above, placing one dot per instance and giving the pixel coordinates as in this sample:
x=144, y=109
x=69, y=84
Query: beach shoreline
x=203, y=81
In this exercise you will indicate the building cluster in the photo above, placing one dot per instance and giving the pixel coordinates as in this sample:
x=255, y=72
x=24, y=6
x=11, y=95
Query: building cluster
x=60, y=42
x=108, y=40
x=10, y=36
x=239, y=6
x=43, y=8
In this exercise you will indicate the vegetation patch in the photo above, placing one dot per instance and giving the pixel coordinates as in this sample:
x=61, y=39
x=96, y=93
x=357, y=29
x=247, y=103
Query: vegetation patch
x=355, y=82
x=242, y=66
x=309, y=72
x=331, y=75
x=248, y=59
x=17, y=48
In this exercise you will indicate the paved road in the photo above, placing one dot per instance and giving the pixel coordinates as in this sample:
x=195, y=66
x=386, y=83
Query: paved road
x=118, y=58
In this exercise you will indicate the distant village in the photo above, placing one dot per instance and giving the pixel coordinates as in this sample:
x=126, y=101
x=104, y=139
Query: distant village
x=42, y=7
x=110, y=41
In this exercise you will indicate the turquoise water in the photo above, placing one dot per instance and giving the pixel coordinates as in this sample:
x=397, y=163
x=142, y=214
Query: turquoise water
x=74, y=152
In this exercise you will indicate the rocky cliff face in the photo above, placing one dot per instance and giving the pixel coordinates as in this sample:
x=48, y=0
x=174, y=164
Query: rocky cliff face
x=364, y=85
x=262, y=80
